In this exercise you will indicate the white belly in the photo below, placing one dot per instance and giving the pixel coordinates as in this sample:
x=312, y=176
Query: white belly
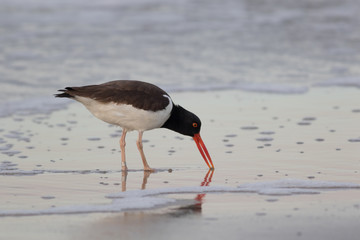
x=127, y=116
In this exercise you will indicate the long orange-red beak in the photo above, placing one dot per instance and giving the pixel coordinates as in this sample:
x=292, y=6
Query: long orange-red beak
x=204, y=152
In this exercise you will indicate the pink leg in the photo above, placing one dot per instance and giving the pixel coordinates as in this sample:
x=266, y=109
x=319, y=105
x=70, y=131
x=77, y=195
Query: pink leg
x=122, y=147
x=140, y=148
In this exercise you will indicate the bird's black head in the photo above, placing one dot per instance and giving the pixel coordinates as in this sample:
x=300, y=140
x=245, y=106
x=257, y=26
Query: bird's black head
x=187, y=123
x=183, y=121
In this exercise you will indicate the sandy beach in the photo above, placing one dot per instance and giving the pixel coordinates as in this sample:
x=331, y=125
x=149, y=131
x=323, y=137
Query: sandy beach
x=60, y=172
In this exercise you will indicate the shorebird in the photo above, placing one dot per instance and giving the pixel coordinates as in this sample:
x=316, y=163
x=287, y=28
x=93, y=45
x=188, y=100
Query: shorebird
x=140, y=106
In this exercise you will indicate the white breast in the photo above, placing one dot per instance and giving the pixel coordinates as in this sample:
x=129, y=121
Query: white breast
x=127, y=116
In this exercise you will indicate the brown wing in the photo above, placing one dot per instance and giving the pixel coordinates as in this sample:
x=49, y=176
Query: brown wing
x=139, y=94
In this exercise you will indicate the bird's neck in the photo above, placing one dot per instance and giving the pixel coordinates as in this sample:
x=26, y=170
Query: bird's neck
x=175, y=120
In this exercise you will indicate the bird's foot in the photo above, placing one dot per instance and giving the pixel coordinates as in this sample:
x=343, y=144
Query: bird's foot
x=124, y=168
x=149, y=169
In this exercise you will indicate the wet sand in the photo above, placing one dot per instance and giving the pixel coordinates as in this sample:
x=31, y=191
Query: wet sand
x=70, y=158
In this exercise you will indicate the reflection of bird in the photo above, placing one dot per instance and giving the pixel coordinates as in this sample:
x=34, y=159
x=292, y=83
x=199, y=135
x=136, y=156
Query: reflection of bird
x=206, y=182
x=140, y=106
x=197, y=207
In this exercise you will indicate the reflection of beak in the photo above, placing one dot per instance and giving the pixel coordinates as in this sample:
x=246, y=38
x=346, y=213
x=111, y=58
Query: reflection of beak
x=204, y=152
x=206, y=182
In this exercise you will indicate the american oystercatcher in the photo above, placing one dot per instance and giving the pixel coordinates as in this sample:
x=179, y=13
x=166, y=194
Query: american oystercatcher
x=136, y=105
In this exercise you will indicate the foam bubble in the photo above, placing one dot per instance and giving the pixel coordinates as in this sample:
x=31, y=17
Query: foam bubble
x=230, y=135
x=309, y=118
x=304, y=123
x=94, y=139
x=267, y=133
x=11, y=153
x=6, y=147
x=7, y=166
x=268, y=139
x=48, y=197
x=249, y=128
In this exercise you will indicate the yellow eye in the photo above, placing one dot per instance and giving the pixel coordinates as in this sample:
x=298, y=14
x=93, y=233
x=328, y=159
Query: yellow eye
x=195, y=125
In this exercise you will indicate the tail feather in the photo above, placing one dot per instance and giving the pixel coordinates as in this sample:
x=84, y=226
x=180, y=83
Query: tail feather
x=65, y=94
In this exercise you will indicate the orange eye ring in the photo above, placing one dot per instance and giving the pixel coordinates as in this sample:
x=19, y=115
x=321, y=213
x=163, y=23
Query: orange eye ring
x=195, y=125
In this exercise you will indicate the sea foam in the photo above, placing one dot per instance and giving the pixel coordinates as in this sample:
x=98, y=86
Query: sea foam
x=151, y=198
